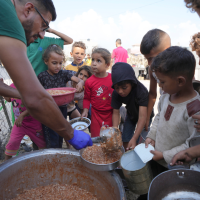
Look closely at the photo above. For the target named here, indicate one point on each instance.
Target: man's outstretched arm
(37, 101)
(8, 91)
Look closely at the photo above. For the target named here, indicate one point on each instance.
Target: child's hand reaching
(79, 87)
(132, 144)
(85, 113)
(157, 155)
(19, 120)
(149, 141)
(80, 83)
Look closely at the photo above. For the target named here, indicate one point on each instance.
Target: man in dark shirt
(128, 90)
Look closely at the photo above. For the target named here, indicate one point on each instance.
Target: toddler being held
(24, 125)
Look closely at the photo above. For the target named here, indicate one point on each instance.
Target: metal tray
(100, 167)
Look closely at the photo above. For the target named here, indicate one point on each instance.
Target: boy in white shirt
(173, 126)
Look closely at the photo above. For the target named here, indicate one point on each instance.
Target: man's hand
(181, 157)
(157, 155)
(85, 113)
(80, 140)
(19, 120)
(149, 141)
(132, 144)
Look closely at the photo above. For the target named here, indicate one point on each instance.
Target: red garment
(98, 92)
(120, 54)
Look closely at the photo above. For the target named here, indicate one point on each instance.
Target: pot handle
(178, 167)
(96, 139)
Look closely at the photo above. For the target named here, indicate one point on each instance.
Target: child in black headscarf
(128, 90)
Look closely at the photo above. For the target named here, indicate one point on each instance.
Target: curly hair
(78, 44)
(193, 5)
(195, 42)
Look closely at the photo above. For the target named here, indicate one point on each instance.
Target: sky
(106, 20)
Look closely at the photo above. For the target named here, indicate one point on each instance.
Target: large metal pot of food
(175, 184)
(56, 166)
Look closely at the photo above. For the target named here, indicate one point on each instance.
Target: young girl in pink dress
(24, 125)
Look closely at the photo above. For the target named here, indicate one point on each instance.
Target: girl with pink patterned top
(24, 125)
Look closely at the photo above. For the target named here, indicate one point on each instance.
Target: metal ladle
(110, 138)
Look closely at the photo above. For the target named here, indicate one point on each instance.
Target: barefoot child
(24, 125)
(98, 92)
(54, 77)
(83, 73)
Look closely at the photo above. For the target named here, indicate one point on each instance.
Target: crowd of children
(104, 93)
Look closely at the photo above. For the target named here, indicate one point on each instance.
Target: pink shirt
(120, 54)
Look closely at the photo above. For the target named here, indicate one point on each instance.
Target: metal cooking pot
(138, 175)
(175, 184)
(51, 166)
(100, 167)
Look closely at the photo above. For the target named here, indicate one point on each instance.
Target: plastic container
(63, 99)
